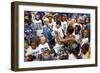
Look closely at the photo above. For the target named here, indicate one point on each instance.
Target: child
(43, 44)
(62, 54)
(51, 22)
(46, 55)
(57, 18)
(72, 22)
(72, 52)
(87, 23)
(77, 34)
(85, 51)
(27, 55)
(26, 46)
(88, 26)
(38, 25)
(44, 49)
(64, 24)
(29, 58)
(57, 32)
(85, 38)
(47, 31)
(33, 50)
(28, 32)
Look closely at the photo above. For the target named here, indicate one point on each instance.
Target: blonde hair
(42, 37)
(45, 19)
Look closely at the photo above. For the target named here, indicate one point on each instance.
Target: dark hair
(26, 21)
(34, 57)
(29, 16)
(85, 48)
(58, 23)
(26, 41)
(30, 58)
(35, 40)
(88, 19)
(73, 51)
(78, 26)
(70, 29)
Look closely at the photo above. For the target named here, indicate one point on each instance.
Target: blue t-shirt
(28, 32)
(88, 27)
(47, 34)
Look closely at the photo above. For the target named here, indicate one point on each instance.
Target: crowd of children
(56, 36)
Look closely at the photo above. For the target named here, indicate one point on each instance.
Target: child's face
(76, 29)
(87, 20)
(46, 53)
(46, 22)
(50, 18)
(37, 17)
(85, 48)
(57, 26)
(85, 33)
(64, 18)
(72, 21)
(26, 45)
(80, 17)
(28, 58)
(55, 18)
(33, 45)
(42, 40)
(59, 18)
(84, 51)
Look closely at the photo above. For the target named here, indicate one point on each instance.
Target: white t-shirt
(59, 32)
(31, 51)
(71, 57)
(64, 25)
(50, 25)
(57, 47)
(36, 52)
(77, 37)
(37, 22)
(54, 25)
(85, 40)
(84, 56)
(38, 25)
(28, 51)
(43, 47)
